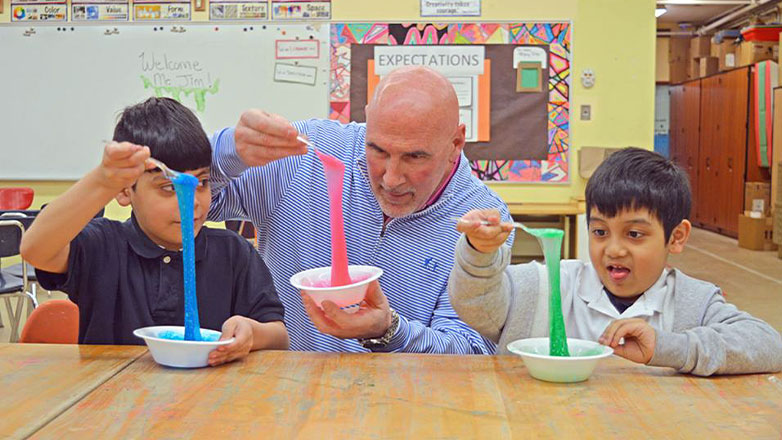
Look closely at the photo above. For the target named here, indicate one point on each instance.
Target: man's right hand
(123, 163)
(263, 137)
(485, 238)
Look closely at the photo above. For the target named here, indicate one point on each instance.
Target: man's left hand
(372, 319)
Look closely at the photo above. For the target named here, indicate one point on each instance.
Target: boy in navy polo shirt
(126, 275)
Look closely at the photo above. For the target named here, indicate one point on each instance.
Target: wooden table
(38, 382)
(317, 395)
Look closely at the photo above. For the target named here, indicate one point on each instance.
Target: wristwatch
(386, 338)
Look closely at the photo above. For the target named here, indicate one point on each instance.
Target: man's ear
(679, 237)
(459, 140)
(123, 197)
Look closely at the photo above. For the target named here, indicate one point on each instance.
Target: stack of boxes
(693, 58)
(751, 52)
(776, 201)
(725, 52)
(760, 227)
(701, 62)
(678, 59)
(756, 224)
(776, 170)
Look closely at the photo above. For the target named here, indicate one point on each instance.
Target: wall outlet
(586, 112)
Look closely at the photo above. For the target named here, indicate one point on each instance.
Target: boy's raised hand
(123, 163)
(484, 238)
(239, 328)
(639, 339)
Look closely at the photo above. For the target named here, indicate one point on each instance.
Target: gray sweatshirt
(706, 336)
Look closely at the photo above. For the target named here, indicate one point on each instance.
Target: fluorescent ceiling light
(659, 11)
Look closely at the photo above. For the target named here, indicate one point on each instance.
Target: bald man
(405, 178)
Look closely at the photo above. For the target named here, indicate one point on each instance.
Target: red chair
(54, 322)
(16, 198)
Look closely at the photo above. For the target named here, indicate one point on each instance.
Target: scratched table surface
(38, 382)
(328, 395)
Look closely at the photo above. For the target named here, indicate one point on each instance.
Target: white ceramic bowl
(342, 296)
(179, 353)
(584, 356)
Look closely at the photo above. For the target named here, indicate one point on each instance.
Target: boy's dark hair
(634, 178)
(170, 130)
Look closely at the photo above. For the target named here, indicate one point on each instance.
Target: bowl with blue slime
(168, 345)
(185, 346)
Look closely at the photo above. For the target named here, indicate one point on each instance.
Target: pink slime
(335, 170)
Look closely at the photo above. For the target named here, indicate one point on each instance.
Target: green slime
(551, 242)
(199, 93)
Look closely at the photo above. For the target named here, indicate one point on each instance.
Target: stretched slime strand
(185, 185)
(335, 170)
(551, 242)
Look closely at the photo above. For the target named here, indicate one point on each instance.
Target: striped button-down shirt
(287, 200)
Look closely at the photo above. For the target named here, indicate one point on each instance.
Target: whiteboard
(63, 89)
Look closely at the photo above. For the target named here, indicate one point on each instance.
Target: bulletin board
(64, 89)
(527, 140)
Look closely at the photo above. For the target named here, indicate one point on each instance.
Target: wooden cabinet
(710, 139)
(723, 147)
(685, 131)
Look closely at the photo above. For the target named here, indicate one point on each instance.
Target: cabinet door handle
(708, 162)
(730, 163)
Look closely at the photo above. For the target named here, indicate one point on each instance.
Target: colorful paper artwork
(556, 35)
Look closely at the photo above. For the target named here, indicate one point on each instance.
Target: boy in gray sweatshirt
(627, 298)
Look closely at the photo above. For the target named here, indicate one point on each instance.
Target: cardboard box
(708, 66)
(714, 48)
(776, 151)
(777, 237)
(776, 185)
(726, 53)
(751, 52)
(693, 68)
(756, 233)
(678, 58)
(677, 71)
(757, 197)
(700, 47)
(590, 157)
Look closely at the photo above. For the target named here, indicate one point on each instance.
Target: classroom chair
(11, 232)
(16, 198)
(16, 269)
(26, 217)
(53, 322)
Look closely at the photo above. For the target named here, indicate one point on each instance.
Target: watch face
(372, 343)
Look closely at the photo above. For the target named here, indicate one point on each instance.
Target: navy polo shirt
(122, 281)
